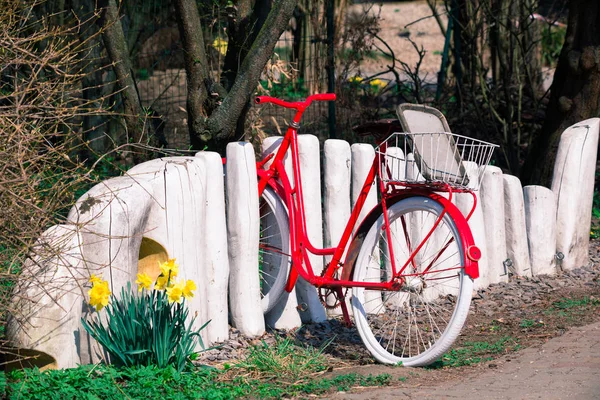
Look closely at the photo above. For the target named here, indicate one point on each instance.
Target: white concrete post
(492, 202)
(412, 169)
(516, 228)
(285, 314)
(177, 220)
(362, 159)
(215, 249)
(310, 174)
(243, 233)
(464, 202)
(337, 190)
(540, 209)
(337, 159)
(573, 185)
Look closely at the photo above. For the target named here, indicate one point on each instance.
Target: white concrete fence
(176, 207)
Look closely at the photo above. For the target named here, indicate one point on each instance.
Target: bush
(41, 112)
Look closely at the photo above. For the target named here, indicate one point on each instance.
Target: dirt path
(566, 367)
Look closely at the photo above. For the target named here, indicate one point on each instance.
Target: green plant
(595, 229)
(286, 88)
(527, 323)
(284, 360)
(553, 38)
(108, 382)
(570, 303)
(495, 326)
(3, 384)
(147, 328)
(345, 382)
(475, 352)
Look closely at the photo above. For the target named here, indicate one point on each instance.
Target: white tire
(417, 324)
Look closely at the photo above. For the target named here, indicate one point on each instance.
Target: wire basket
(434, 157)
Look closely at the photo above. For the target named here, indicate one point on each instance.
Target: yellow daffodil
(161, 283)
(143, 281)
(95, 279)
(169, 268)
(175, 292)
(220, 45)
(377, 83)
(189, 287)
(355, 79)
(99, 294)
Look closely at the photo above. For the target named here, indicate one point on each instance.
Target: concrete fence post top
(492, 169)
(337, 142)
(586, 123)
(511, 178)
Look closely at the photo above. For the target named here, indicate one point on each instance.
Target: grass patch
(268, 372)
(573, 303)
(572, 307)
(107, 382)
(284, 361)
(470, 353)
(530, 323)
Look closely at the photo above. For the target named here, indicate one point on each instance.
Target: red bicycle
(410, 262)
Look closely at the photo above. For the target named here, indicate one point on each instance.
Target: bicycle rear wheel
(418, 323)
(273, 249)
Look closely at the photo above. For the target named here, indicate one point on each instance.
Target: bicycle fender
(472, 252)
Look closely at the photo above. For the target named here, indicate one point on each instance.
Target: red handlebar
(322, 97)
(297, 104)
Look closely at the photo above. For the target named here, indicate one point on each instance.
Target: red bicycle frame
(276, 177)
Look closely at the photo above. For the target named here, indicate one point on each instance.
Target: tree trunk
(575, 90)
(94, 128)
(297, 30)
(222, 122)
(244, 24)
(196, 67)
(214, 126)
(118, 53)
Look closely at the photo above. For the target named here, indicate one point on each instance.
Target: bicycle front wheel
(416, 324)
(273, 248)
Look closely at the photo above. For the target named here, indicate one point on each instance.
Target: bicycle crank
(330, 298)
